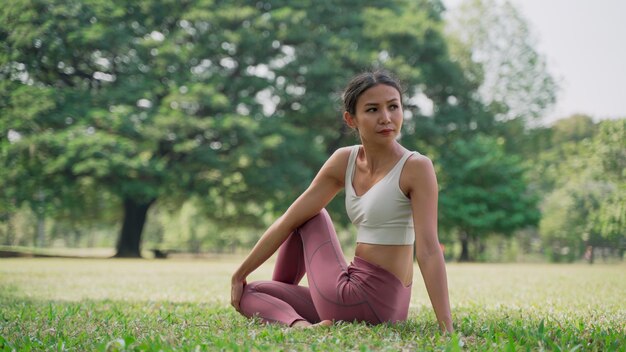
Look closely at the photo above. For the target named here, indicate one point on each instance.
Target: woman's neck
(380, 156)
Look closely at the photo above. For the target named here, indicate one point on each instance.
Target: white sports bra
(383, 214)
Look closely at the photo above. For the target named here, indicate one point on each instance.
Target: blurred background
(156, 128)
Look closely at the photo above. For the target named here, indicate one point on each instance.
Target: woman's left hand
(236, 291)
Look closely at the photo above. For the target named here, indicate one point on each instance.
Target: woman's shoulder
(418, 162)
(418, 168)
(342, 153)
(415, 155)
(335, 166)
(418, 175)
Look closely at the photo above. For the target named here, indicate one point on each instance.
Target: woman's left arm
(423, 191)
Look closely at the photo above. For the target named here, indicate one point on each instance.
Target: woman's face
(378, 115)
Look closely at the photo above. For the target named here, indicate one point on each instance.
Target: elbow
(281, 225)
(424, 255)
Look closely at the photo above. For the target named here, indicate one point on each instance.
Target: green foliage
(585, 182)
(609, 217)
(572, 129)
(496, 47)
(483, 190)
(229, 101)
(609, 146)
(109, 108)
(187, 229)
(568, 224)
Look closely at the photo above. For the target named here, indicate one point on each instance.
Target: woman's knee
(250, 287)
(323, 214)
(247, 298)
(320, 221)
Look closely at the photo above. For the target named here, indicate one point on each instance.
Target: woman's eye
(393, 107)
(371, 110)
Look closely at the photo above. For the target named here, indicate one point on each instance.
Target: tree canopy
(107, 108)
(485, 191)
(231, 101)
(497, 48)
(585, 184)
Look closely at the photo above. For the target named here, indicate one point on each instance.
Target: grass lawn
(177, 304)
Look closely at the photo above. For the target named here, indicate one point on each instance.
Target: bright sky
(584, 42)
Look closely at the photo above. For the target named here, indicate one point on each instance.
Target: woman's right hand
(236, 291)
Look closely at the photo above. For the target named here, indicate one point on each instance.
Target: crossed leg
(314, 249)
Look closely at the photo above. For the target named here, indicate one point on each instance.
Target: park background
(189, 126)
(183, 128)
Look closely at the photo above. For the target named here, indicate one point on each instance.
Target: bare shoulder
(418, 173)
(335, 166)
(418, 164)
(343, 152)
(339, 159)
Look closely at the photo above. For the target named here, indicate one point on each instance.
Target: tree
(128, 95)
(609, 220)
(496, 47)
(566, 225)
(574, 128)
(230, 101)
(484, 191)
(583, 178)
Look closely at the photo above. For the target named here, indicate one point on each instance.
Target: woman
(391, 196)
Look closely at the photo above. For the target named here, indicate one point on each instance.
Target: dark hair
(364, 81)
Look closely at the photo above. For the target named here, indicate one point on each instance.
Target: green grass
(110, 305)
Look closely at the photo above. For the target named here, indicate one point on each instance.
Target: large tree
(485, 192)
(484, 189)
(139, 98)
(583, 177)
(498, 50)
(233, 101)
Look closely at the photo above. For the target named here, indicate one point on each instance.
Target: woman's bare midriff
(397, 259)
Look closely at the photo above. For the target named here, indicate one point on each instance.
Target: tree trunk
(10, 239)
(129, 243)
(464, 237)
(41, 220)
(479, 249)
(589, 254)
(77, 235)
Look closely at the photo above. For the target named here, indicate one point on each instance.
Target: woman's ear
(349, 119)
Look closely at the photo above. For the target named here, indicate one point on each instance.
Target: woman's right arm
(326, 184)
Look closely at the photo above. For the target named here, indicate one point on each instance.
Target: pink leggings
(361, 291)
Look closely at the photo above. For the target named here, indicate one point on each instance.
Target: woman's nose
(385, 116)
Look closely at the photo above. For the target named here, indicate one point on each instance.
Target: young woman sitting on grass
(391, 197)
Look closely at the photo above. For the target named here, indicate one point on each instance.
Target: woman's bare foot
(324, 323)
(306, 324)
